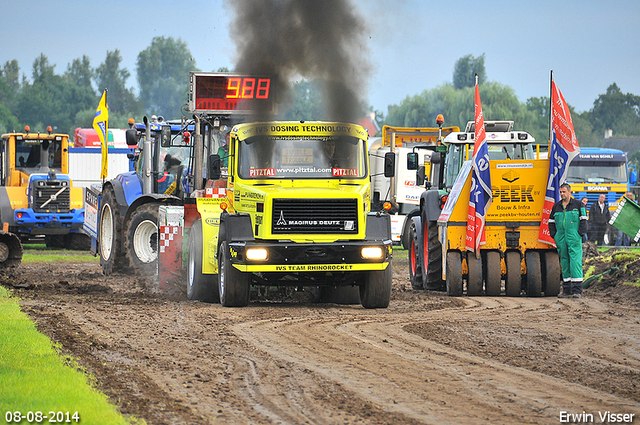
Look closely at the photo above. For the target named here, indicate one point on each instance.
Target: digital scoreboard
(228, 93)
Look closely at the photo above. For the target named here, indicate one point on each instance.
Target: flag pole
(550, 110)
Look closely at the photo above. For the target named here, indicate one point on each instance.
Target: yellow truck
(293, 211)
(37, 197)
(512, 252)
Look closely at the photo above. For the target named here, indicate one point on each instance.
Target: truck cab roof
(497, 132)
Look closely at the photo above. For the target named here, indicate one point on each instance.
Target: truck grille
(42, 196)
(315, 216)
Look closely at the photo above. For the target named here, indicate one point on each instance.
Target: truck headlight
(371, 252)
(257, 254)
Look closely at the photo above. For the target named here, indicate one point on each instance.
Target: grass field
(34, 377)
(39, 253)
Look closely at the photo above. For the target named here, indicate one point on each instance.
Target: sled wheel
(513, 281)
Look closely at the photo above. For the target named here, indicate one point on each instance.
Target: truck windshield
(497, 151)
(28, 153)
(597, 172)
(284, 157)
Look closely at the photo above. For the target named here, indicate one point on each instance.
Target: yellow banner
(310, 267)
(101, 125)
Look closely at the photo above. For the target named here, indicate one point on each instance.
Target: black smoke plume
(320, 40)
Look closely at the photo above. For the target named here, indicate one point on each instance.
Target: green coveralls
(566, 227)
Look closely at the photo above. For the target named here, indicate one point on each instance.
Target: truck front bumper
(32, 222)
(347, 256)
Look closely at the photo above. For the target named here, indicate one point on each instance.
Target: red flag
(480, 195)
(563, 148)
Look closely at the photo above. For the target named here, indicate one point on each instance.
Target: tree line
(612, 110)
(69, 100)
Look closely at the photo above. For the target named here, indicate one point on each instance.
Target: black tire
(552, 277)
(432, 257)
(513, 281)
(54, 241)
(454, 274)
(375, 292)
(110, 234)
(78, 241)
(474, 280)
(415, 271)
(142, 239)
(202, 287)
(493, 274)
(233, 284)
(405, 238)
(534, 273)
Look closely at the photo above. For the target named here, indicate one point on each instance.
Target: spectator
(567, 224)
(584, 201)
(599, 216)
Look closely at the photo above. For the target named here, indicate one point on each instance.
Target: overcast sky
(413, 44)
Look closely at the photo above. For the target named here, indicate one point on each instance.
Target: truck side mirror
(420, 176)
(412, 161)
(389, 164)
(213, 167)
(131, 136)
(165, 136)
(633, 177)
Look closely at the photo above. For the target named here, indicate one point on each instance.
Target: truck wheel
(474, 281)
(375, 292)
(142, 239)
(454, 274)
(432, 257)
(54, 241)
(233, 284)
(552, 275)
(78, 241)
(200, 286)
(415, 272)
(513, 282)
(493, 274)
(534, 274)
(110, 234)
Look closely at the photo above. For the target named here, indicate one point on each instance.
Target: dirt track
(426, 359)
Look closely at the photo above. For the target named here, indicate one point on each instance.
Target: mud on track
(426, 359)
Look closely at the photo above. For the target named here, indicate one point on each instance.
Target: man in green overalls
(567, 224)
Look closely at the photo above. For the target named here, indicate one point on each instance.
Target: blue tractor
(124, 217)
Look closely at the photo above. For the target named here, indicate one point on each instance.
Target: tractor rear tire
(200, 286)
(142, 239)
(375, 291)
(110, 235)
(233, 284)
(432, 257)
(415, 271)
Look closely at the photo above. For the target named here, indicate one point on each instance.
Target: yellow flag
(101, 125)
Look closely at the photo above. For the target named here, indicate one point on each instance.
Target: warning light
(19, 215)
(186, 136)
(440, 119)
(387, 206)
(27, 129)
(223, 206)
(49, 129)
